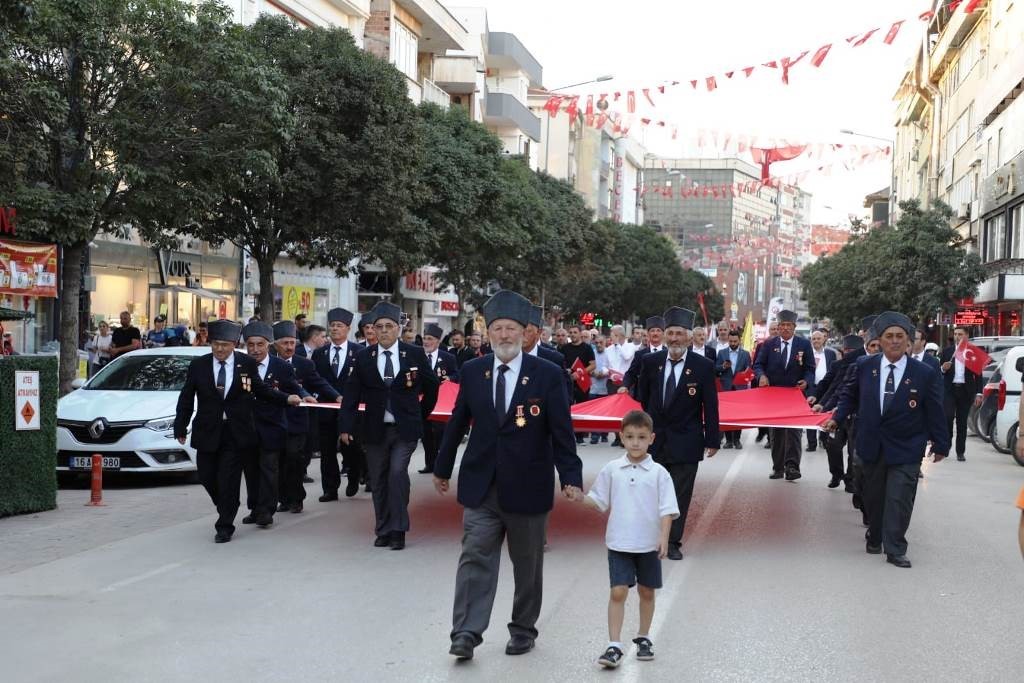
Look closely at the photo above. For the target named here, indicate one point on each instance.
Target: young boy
(641, 503)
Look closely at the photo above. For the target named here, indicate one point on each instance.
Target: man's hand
(763, 382)
(309, 399)
(727, 364)
(294, 400)
(710, 452)
(818, 408)
(573, 493)
(181, 440)
(338, 400)
(811, 400)
(662, 548)
(977, 401)
(622, 390)
(802, 384)
(440, 485)
(829, 425)
(345, 438)
(937, 457)
(946, 366)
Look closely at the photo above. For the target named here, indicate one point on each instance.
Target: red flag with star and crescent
(973, 358)
(579, 374)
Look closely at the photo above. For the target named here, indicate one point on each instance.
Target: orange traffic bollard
(96, 492)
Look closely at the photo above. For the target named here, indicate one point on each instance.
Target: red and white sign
(26, 400)
(28, 269)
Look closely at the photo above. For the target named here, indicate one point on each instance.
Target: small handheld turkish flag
(973, 358)
(580, 376)
(745, 377)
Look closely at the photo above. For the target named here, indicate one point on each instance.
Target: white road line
(141, 577)
(675, 580)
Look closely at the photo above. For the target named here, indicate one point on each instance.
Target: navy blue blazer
(629, 379)
(312, 385)
(272, 419)
(689, 422)
(769, 363)
(447, 367)
(916, 416)
(726, 374)
(556, 357)
(335, 384)
(413, 379)
(518, 457)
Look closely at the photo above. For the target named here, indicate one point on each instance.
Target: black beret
(386, 309)
(679, 317)
(510, 305)
(433, 330)
(339, 315)
(283, 329)
(891, 319)
(224, 330)
(852, 342)
(258, 329)
(787, 316)
(655, 322)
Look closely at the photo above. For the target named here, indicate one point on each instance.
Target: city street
(775, 586)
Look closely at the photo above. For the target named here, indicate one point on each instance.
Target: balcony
(505, 51)
(456, 75)
(952, 36)
(440, 30)
(434, 94)
(505, 111)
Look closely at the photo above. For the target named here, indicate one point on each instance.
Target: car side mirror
(78, 382)
(1020, 364)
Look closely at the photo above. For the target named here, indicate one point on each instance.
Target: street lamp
(547, 125)
(847, 131)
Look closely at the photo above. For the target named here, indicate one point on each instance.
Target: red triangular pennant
(893, 31)
(711, 83)
(820, 55)
(748, 70)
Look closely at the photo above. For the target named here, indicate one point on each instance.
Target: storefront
(28, 294)
(303, 289)
(424, 304)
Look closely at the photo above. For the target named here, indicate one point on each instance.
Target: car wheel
(994, 439)
(1013, 446)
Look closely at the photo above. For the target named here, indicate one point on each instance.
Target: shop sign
(28, 269)
(423, 285)
(970, 317)
(175, 266)
(26, 400)
(296, 300)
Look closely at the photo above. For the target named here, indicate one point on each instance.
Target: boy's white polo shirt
(638, 496)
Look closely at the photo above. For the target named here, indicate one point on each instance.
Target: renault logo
(97, 428)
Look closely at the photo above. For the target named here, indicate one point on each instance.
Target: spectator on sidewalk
(126, 337)
(99, 347)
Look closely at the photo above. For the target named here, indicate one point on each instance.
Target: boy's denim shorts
(629, 569)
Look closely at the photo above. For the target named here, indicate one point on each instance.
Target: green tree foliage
(105, 105)
(919, 267)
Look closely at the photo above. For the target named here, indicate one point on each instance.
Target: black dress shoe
(759, 438)
(352, 487)
(368, 489)
(768, 444)
(328, 497)
(426, 470)
(811, 449)
(462, 646)
(518, 645)
(283, 507)
(264, 521)
(961, 457)
(222, 537)
(848, 486)
(382, 542)
(792, 474)
(249, 519)
(775, 475)
(728, 445)
(398, 540)
(898, 560)
(674, 553)
(306, 479)
(834, 484)
(296, 509)
(873, 549)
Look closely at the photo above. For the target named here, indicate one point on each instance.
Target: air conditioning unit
(965, 212)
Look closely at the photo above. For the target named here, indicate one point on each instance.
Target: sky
(645, 42)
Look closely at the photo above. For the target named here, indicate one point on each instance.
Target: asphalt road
(775, 586)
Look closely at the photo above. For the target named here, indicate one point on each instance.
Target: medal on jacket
(520, 418)
(408, 380)
(246, 383)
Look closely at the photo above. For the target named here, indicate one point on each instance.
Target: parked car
(1004, 433)
(125, 413)
(996, 348)
(982, 420)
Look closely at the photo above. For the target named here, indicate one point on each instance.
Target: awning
(11, 314)
(196, 291)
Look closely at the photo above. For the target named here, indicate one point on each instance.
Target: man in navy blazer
(223, 387)
(533, 346)
(262, 465)
(898, 402)
(655, 326)
(824, 357)
(732, 360)
(785, 361)
(677, 389)
(446, 368)
(334, 361)
(522, 433)
(826, 393)
(399, 388)
(292, 465)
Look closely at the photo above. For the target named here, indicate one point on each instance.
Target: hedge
(28, 459)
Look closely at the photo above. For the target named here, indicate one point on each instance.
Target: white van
(1004, 435)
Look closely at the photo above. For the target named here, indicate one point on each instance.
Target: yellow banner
(296, 300)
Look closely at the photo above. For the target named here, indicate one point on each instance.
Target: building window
(1017, 232)
(404, 49)
(995, 239)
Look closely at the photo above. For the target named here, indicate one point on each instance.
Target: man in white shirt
(824, 357)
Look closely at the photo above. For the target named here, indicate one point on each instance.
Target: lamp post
(847, 131)
(547, 125)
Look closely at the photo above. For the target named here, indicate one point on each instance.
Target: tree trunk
(71, 290)
(266, 301)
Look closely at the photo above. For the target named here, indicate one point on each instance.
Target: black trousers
(786, 448)
(220, 473)
(353, 457)
(432, 433)
(291, 468)
(261, 475)
(958, 406)
(889, 492)
(312, 442)
(683, 476)
(733, 437)
(812, 438)
(834, 444)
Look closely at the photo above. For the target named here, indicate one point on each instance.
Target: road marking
(141, 577)
(667, 596)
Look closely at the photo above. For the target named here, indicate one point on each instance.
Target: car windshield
(143, 373)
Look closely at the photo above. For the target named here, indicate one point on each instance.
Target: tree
(326, 179)
(93, 137)
(919, 267)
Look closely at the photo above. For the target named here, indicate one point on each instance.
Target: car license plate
(84, 462)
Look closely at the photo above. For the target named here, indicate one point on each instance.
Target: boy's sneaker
(644, 648)
(611, 658)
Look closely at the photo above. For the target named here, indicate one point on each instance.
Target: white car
(125, 413)
(1004, 434)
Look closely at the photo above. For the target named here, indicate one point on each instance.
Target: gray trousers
(787, 448)
(889, 493)
(483, 530)
(388, 465)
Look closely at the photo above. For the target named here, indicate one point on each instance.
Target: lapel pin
(487, 374)
(526, 380)
(535, 410)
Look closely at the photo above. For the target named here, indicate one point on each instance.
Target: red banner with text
(28, 269)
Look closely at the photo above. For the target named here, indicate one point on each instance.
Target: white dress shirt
(432, 359)
(638, 495)
(618, 361)
(883, 375)
(342, 351)
(722, 345)
(958, 371)
(381, 360)
(229, 372)
(264, 366)
(533, 351)
(309, 350)
(820, 366)
(511, 377)
(678, 369)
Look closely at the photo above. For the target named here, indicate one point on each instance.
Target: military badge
(689, 371)
(526, 380)
(693, 391)
(913, 403)
(487, 374)
(535, 411)
(520, 419)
